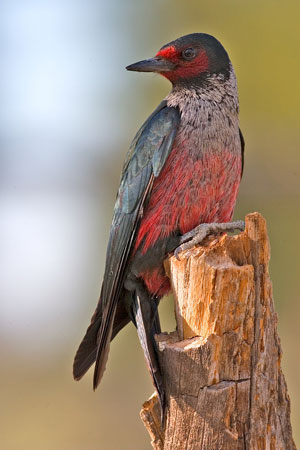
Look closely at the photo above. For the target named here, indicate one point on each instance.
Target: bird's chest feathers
(193, 187)
(196, 186)
(201, 176)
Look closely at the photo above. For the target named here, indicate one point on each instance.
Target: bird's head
(188, 59)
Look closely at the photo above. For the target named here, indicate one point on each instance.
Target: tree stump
(222, 367)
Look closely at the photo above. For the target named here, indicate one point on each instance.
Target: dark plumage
(183, 169)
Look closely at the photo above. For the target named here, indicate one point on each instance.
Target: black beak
(152, 65)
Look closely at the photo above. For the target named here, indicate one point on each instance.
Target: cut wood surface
(222, 367)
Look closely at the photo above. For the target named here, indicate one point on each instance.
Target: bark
(222, 367)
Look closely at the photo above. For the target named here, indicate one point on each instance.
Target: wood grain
(222, 367)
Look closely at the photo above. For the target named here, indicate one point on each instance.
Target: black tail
(147, 324)
(88, 349)
(105, 325)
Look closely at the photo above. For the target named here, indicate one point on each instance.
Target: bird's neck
(217, 94)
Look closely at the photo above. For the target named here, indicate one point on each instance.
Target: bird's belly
(188, 192)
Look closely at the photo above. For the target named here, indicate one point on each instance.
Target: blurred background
(68, 113)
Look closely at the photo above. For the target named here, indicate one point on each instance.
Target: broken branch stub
(222, 373)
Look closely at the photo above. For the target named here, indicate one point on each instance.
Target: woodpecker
(179, 183)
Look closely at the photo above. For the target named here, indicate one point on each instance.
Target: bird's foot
(198, 234)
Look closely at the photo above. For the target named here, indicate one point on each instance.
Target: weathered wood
(222, 373)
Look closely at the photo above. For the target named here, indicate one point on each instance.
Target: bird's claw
(198, 234)
(177, 251)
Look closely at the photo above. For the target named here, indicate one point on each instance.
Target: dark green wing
(146, 157)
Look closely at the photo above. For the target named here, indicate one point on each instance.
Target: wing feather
(146, 157)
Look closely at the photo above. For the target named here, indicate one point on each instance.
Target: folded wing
(146, 157)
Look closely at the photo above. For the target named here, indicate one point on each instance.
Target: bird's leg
(198, 234)
(145, 317)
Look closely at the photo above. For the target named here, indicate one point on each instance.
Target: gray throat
(209, 113)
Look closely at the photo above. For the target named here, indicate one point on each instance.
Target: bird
(179, 183)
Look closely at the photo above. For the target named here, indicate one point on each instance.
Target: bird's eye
(189, 53)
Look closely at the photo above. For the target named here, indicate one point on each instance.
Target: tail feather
(88, 349)
(103, 342)
(146, 336)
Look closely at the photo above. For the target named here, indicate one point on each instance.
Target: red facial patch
(189, 69)
(184, 69)
(168, 53)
